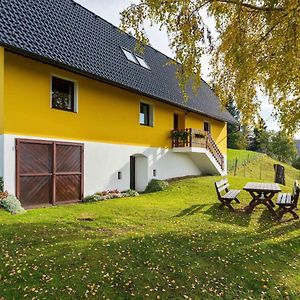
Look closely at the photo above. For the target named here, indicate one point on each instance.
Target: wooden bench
(288, 202)
(225, 195)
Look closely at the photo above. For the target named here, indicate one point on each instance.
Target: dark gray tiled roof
(64, 33)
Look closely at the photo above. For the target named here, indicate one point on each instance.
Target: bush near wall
(10, 203)
(156, 185)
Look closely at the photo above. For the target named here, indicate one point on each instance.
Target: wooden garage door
(48, 172)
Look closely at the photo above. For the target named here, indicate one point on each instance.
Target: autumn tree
(256, 48)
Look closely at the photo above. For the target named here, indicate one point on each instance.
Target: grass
(260, 166)
(174, 244)
(241, 155)
(241, 158)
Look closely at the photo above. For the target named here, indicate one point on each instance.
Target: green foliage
(180, 135)
(296, 163)
(237, 138)
(282, 147)
(156, 185)
(1, 184)
(260, 139)
(256, 49)
(12, 205)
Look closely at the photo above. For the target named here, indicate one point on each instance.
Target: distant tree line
(276, 144)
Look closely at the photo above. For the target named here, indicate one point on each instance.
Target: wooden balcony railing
(190, 137)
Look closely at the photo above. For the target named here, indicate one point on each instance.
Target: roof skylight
(142, 62)
(129, 56)
(135, 59)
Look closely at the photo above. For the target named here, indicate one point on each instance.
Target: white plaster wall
(103, 161)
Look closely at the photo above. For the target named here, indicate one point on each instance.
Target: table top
(262, 187)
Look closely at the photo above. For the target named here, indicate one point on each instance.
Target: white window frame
(151, 113)
(75, 91)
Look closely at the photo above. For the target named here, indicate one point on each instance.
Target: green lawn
(174, 244)
(260, 166)
(241, 155)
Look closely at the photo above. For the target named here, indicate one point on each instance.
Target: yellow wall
(1, 88)
(105, 113)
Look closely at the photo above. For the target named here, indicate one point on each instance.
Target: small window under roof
(129, 56)
(142, 62)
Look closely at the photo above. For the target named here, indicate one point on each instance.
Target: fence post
(235, 166)
(260, 171)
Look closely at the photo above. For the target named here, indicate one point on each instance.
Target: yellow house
(82, 112)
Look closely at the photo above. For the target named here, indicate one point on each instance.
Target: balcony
(191, 140)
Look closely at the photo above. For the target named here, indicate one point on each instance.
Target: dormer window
(135, 59)
(129, 56)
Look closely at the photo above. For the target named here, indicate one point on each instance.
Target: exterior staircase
(201, 148)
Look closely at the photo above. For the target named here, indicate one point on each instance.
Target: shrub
(1, 184)
(156, 185)
(130, 193)
(12, 204)
(92, 198)
(106, 195)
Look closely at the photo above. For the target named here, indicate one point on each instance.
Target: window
(135, 59)
(145, 114)
(207, 127)
(142, 62)
(129, 56)
(154, 172)
(119, 175)
(63, 94)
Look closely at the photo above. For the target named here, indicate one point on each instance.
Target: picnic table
(262, 193)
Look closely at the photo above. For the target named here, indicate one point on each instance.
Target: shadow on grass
(191, 210)
(58, 262)
(238, 217)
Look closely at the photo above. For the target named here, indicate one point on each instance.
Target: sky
(110, 11)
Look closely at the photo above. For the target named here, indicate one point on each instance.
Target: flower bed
(106, 195)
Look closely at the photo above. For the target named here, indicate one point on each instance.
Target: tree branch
(250, 6)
